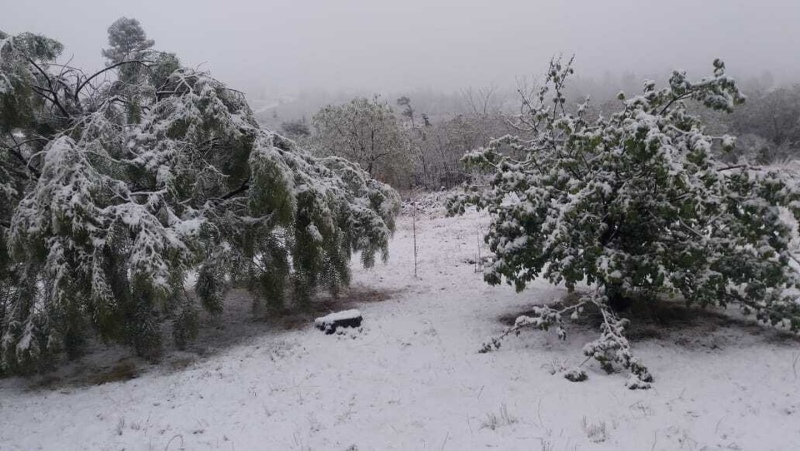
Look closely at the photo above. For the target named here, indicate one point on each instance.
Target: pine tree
(109, 211)
(127, 41)
(636, 206)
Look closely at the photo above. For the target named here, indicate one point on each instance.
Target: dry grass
(556, 365)
(123, 370)
(46, 382)
(494, 421)
(181, 363)
(596, 432)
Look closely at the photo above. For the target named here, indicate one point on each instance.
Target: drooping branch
(102, 71)
(14, 151)
(733, 167)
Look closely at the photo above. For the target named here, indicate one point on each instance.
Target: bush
(636, 206)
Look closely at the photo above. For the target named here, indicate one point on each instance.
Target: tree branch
(46, 76)
(245, 186)
(113, 66)
(730, 168)
(18, 155)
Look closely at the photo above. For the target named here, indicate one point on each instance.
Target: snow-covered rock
(329, 323)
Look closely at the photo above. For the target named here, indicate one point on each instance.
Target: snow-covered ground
(412, 379)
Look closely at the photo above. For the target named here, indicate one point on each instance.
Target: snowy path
(413, 380)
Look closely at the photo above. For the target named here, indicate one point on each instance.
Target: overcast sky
(285, 45)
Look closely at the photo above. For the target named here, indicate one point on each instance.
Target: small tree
(367, 132)
(408, 110)
(636, 206)
(127, 41)
(141, 71)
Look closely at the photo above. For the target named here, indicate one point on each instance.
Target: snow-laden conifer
(110, 211)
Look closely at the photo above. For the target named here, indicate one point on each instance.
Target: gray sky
(284, 45)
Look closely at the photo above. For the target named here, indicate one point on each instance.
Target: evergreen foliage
(636, 206)
(113, 193)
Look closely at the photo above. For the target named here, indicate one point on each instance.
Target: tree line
(412, 148)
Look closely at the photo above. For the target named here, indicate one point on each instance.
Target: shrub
(636, 206)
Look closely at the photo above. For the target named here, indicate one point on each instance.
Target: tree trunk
(617, 299)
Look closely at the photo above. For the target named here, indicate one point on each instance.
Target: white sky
(442, 44)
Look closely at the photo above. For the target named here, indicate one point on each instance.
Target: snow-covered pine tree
(110, 211)
(127, 40)
(21, 108)
(635, 205)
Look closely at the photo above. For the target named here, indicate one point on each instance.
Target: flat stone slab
(329, 323)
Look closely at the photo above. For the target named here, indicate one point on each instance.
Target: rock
(347, 318)
(576, 375)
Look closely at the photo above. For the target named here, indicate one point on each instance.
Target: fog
(290, 45)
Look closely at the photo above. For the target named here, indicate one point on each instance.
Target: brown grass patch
(123, 370)
(181, 363)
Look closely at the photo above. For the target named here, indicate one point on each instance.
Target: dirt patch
(508, 319)
(124, 370)
(349, 298)
(674, 322)
(181, 363)
(45, 382)
(235, 326)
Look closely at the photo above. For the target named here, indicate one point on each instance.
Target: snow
(413, 379)
(338, 316)
(5, 83)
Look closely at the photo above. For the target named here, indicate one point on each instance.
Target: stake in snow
(116, 184)
(636, 206)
